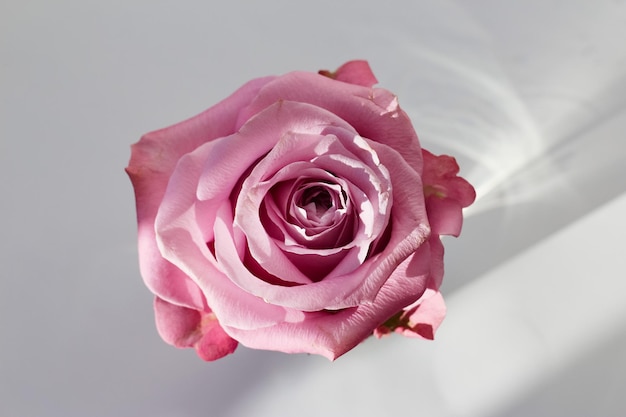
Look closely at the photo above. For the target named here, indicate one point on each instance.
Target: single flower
(299, 215)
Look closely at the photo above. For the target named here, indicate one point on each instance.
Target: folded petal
(373, 112)
(184, 327)
(446, 193)
(333, 333)
(152, 162)
(354, 72)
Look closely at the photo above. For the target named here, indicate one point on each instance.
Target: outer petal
(445, 215)
(185, 327)
(446, 193)
(152, 162)
(331, 334)
(354, 72)
(181, 242)
(422, 318)
(373, 112)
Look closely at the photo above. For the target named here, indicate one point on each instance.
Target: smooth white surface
(522, 340)
(531, 98)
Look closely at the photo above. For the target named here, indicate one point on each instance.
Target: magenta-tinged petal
(436, 262)
(445, 216)
(424, 319)
(177, 325)
(184, 327)
(215, 342)
(446, 193)
(354, 72)
(441, 179)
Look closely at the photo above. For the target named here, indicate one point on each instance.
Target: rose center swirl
(316, 205)
(317, 199)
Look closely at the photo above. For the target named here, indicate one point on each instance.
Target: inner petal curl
(313, 211)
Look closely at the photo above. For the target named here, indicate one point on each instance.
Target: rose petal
(177, 325)
(184, 327)
(436, 262)
(254, 195)
(446, 193)
(424, 319)
(297, 231)
(354, 72)
(331, 334)
(210, 173)
(335, 153)
(445, 216)
(347, 285)
(180, 241)
(441, 176)
(152, 161)
(373, 112)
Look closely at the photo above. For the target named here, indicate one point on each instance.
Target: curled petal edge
(185, 327)
(356, 72)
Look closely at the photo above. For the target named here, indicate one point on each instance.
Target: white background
(531, 98)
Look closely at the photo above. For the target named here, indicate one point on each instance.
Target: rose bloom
(298, 215)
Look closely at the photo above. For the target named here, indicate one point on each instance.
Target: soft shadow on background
(530, 97)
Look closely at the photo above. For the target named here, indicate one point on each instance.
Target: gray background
(531, 98)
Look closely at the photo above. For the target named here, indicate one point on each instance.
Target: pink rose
(298, 215)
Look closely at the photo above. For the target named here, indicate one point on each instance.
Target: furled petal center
(317, 204)
(317, 199)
